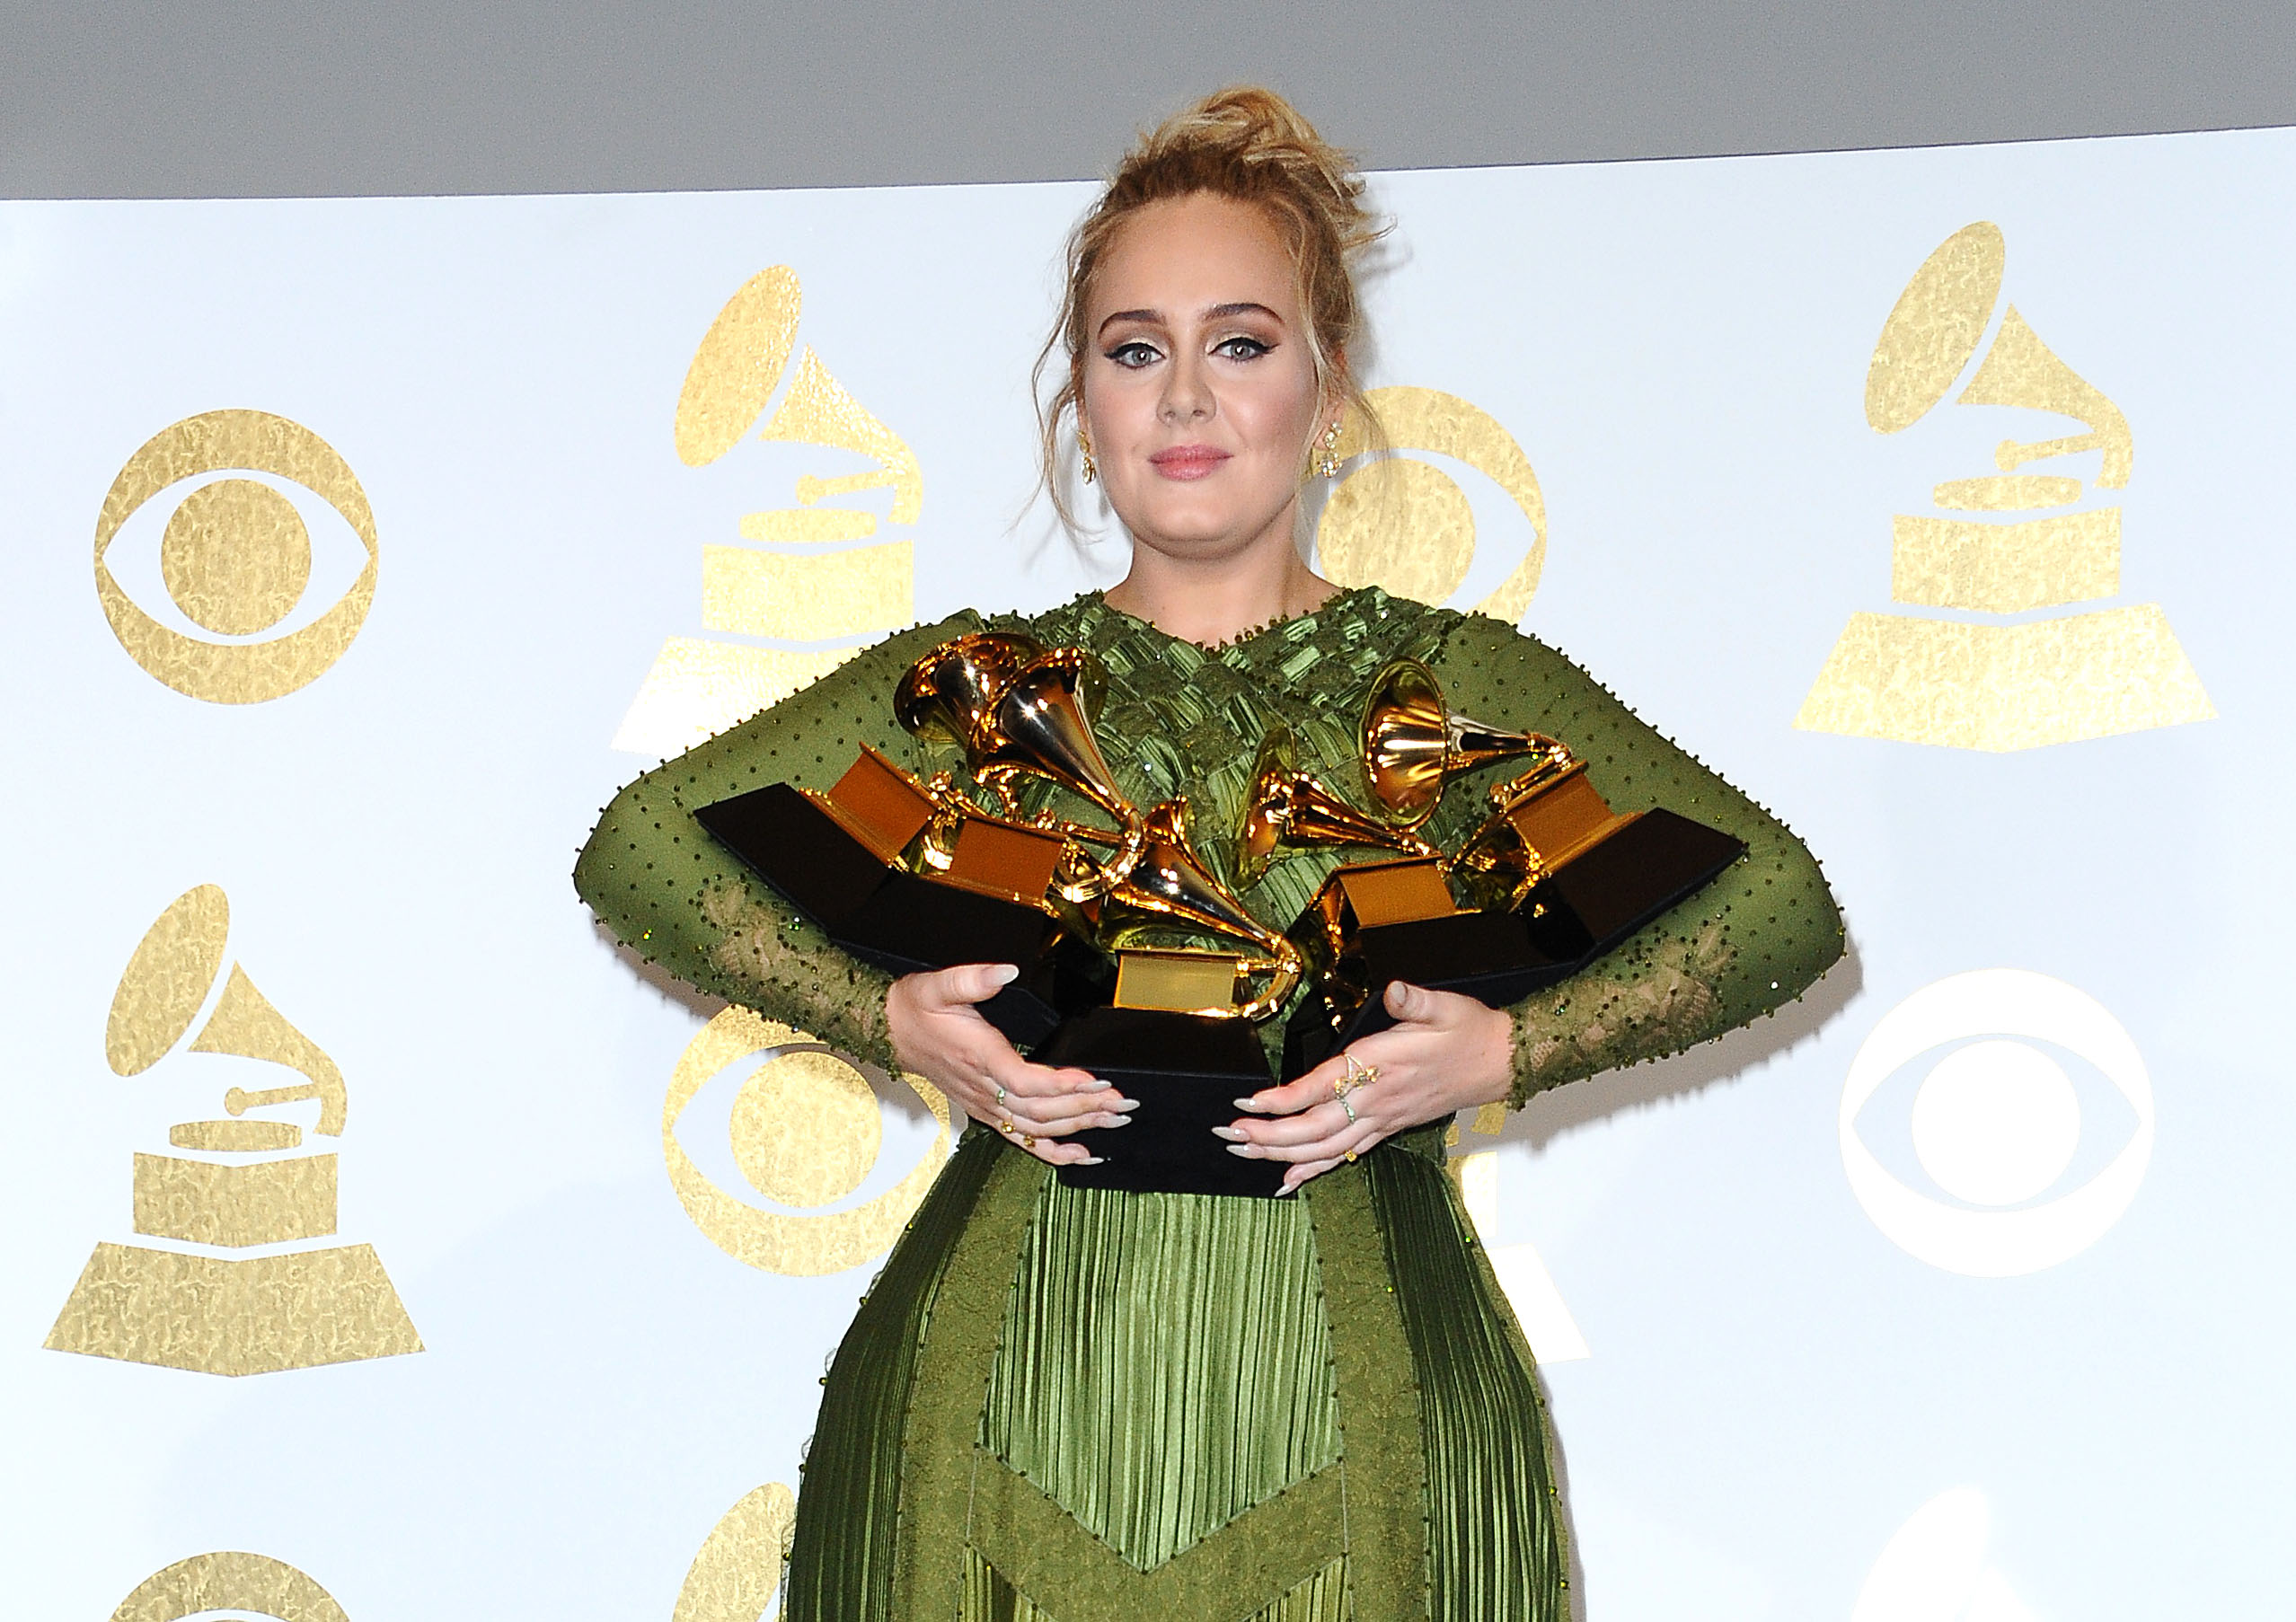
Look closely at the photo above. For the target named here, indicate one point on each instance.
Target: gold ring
(1005, 1127)
(1028, 1143)
(1360, 1074)
(1349, 1157)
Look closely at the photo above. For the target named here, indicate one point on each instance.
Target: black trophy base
(1591, 905)
(1187, 1072)
(1492, 956)
(901, 923)
(1655, 862)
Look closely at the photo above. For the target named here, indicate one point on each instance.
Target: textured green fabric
(1199, 1381)
(1086, 1405)
(1491, 1499)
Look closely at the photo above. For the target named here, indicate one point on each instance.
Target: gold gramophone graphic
(805, 575)
(2016, 542)
(238, 1183)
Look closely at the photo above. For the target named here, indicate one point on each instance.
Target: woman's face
(1199, 391)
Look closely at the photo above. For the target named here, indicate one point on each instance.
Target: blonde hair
(1249, 144)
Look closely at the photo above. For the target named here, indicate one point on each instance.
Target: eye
(1242, 347)
(1134, 355)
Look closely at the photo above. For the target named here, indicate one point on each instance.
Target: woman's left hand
(1443, 1052)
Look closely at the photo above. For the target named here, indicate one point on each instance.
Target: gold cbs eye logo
(233, 1583)
(235, 557)
(806, 1128)
(738, 1568)
(1405, 524)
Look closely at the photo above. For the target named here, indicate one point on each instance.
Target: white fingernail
(1231, 1133)
(1003, 974)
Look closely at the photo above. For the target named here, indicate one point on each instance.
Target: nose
(1187, 391)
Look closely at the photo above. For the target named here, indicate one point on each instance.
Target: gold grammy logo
(229, 1580)
(804, 1129)
(806, 574)
(739, 1565)
(239, 1185)
(1979, 684)
(1404, 523)
(235, 557)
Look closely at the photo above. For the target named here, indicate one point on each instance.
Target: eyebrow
(1216, 313)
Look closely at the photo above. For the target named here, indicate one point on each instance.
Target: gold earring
(1327, 462)
(1085, 445)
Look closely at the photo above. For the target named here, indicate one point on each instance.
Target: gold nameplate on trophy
(1177, 982)
(1393, 892)
(1539, 824)
(1560, 819)
(998, 859)
(878, 804)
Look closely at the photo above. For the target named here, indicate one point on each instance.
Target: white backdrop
(1833, 1330)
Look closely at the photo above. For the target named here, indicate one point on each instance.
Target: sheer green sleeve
(1754, 938)
(680, 899)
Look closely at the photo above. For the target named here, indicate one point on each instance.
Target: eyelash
(1139, 353)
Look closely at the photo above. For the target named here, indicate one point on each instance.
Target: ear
(1335, 403)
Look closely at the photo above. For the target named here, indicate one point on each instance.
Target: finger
(1017, 1075)
(1328, 1135)
(1417, 1005)
(1302, 1173)
(1326, 1119)
(1047, 1143)
(1069, 1114)
(1056, 1115)
(1291, 1097)
(965, 984)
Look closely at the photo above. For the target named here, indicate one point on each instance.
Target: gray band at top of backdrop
(283, 98)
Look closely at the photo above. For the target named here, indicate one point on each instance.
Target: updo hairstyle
(1252, 146)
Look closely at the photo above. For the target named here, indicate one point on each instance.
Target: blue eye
(1134, 354)
(1241, 348)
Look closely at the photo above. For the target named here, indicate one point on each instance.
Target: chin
(1198, 529)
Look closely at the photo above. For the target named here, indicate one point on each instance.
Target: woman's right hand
(938, 1033)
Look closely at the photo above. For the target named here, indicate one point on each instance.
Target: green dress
(1078, 1405)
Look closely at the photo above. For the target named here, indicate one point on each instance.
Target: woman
(1081, 1403)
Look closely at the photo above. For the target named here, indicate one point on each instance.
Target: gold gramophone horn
(951, 692)
(1020, 709)
(1413, 744)
(1286, 805)
(1170, 889)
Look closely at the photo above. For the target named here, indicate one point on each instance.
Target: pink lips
(1187, 460)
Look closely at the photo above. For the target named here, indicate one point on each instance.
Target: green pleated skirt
(1071, 1406)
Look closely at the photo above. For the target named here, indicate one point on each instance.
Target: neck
(1217, 600)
